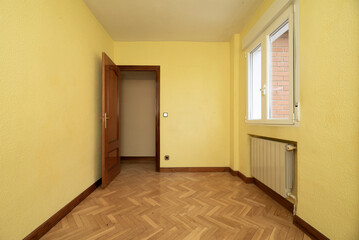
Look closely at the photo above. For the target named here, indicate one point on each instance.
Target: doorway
(140, 109)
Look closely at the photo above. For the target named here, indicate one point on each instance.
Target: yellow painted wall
(328, 136)
(234, 101)
(195, 93)
(50, 128)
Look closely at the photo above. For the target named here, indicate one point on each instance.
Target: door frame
(157, 70)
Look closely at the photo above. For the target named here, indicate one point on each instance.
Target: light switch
(165, 114)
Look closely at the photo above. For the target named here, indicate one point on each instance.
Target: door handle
(105, 118)
(263, 90)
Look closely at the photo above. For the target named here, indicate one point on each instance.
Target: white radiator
(273, 164)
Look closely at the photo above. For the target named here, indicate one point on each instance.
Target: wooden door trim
(157, 70)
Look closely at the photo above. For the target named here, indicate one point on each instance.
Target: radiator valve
(290, 147)
(290, 195)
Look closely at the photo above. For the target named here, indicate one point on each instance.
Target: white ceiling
(172, 20)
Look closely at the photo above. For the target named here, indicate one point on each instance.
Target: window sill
(268, 124)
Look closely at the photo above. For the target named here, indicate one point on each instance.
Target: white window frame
(253, 46)
(250, 76)
(263, 39)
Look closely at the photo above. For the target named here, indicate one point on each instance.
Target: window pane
(278, 97)
(255, 102)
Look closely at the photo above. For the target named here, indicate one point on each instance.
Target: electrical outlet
(167, 157)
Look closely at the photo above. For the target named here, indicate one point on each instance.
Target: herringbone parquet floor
(143, 204)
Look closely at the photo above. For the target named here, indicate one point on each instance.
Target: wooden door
(110, 120)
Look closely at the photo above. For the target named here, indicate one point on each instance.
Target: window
(255, 84)
(278, 69)
(270, 57)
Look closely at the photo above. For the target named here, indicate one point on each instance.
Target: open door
(110, 120)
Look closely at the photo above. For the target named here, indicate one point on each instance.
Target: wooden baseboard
(138, 158)
(195, 169)
(308, 229)
(300, 223)
(244, 178)
(278, 198)
(52, 221)
(232, 172)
